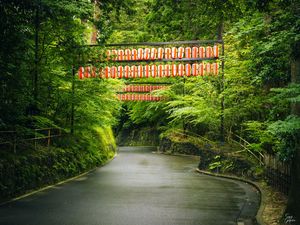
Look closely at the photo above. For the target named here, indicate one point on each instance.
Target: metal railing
(11, 140)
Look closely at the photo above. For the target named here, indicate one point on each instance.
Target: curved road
(138, 188)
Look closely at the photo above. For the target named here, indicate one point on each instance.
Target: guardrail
(10, 140)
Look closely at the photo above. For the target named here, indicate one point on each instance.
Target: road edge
(30, 193)
(262, 204)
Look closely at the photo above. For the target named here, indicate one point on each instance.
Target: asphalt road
(138, 188)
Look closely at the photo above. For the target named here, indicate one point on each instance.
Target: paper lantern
(174, 53)
(107, 72)
(127, 54)
(188, 52)
(81, 72)
(168, 53)
(180, 52)
(195, 52)
(147, 54)
(201, 52)
(134, 54)
(208, 68)
(93, 74)
(201, 69)
(216, 51)
(167, 69)
(140, 71)
(180, 70)
(127, 72)
(101, 73)
(160, 71)
(133, 71)
(195, 68)
(113, 72)
(153, 71)
(188, 69)
(174, 70)
(140, 54)
(120, 72)
(215, 67)
(209, 52)
(153, 53)
(147, 71)
(87, 72)
(121, 55)
(160, 53)
(108, 54)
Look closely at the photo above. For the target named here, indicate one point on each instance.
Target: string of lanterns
(163, 53)
(146, 71)
(138, 97)
(142, 88)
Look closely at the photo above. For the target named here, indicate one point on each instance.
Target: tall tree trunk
(293, 206)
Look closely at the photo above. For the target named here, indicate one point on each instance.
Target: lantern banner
(163, 53)
(143, 88)
(139, 97)
(140, 71)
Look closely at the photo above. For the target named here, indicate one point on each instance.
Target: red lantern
(160, 70)
(127, 72)
(134, 53)
(215, 67)
(147, 71)
(188, 52)
(160, 54)
(174, 52)
(201, 52)
(133, 71)
(81, 72)
(153, 54)
(140, 54)
(188, 69)
(140, 71)
(167, 70)
(120, 72)
(208, 68)
(147, 54)
(216, 51)
(195, 67)
(120, 55)
(168, 53)
(153, 70)
(101, 73)
(195, 52)
(107, 72)
(127, 54)
(180, 70)
(201, 69)
(209, 52)
(113, 72)
(93, 72)
(180, 52)
(174, 70)
(87, 72)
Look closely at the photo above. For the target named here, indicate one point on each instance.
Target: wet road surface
(138, 188)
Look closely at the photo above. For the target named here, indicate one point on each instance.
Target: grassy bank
(68, 157)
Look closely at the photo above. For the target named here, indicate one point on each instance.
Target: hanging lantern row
(163, 53)
(139, 97)
(143, 88)
(150, 71)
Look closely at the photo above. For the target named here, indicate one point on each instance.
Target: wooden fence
(19, 140)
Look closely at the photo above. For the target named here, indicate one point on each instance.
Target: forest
(44, 42)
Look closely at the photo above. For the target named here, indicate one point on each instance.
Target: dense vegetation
(261, 90)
